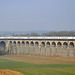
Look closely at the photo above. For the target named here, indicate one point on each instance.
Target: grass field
(22, 64)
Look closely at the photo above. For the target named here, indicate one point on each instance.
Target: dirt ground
(9, 72)
(40, 59)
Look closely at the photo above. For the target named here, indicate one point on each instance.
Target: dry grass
(9, 72)
(40, 59)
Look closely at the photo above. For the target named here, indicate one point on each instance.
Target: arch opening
(18, 42)
(54, 44)
(48, 44)
(14, 42)
(36, 44)
(71, 44)
(32, 43)
(43, 44)
(59, 44)
(10, 42)
(65, 44)
(23, 42)
(27, 43)
(2, 47)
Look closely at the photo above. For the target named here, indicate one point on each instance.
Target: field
(38, 65)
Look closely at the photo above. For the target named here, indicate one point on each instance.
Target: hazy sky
(26, 15)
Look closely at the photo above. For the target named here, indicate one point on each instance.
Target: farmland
(38, 65)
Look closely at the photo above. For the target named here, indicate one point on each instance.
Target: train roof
(62, 37)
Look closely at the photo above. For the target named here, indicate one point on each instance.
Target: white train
(62, 37)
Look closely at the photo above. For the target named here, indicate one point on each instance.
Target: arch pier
(46, 46)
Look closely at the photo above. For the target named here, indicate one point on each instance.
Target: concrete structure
(48, 46)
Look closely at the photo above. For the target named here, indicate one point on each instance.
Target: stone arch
(2, 46)
(59, 49)
(32, 43)
(18, 47)
(65, 44)
(53, 49)
(37, 50)
(59, 44)
(48, 50)
(71, 44)
(14, 42)
(10, 42)
(54, 44)
(27, 48)
(43, 48)
(14, 49)
(32, 47)
(43, 44)
(65, 49)
(18, 42)
(36, 43)
(23, 42)
(22, 48)
(71, 49)
(27, 43)
(48, 44)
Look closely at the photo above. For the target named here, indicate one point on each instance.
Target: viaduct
(47, 46)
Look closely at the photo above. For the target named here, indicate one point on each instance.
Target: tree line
(52, 33)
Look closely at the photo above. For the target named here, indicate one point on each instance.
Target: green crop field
(37, 69)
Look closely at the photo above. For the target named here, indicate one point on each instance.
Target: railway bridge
(47, 46)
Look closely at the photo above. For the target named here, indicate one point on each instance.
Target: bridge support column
(39, 51)
(7, 48)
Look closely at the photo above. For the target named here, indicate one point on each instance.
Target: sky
(27, 15)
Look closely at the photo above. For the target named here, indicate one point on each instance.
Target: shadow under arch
(31, 43)
(23, 42)
(71, 44)
(53, 44)
(65, 44)
(43, 44)
(59, 44)
(2, 47)
(36, 44)
(18, 42)
(59, 49)
(37, 49)
(10, 42)
(48, 44)
(27, 43)
(14, 42)
(71, 49)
